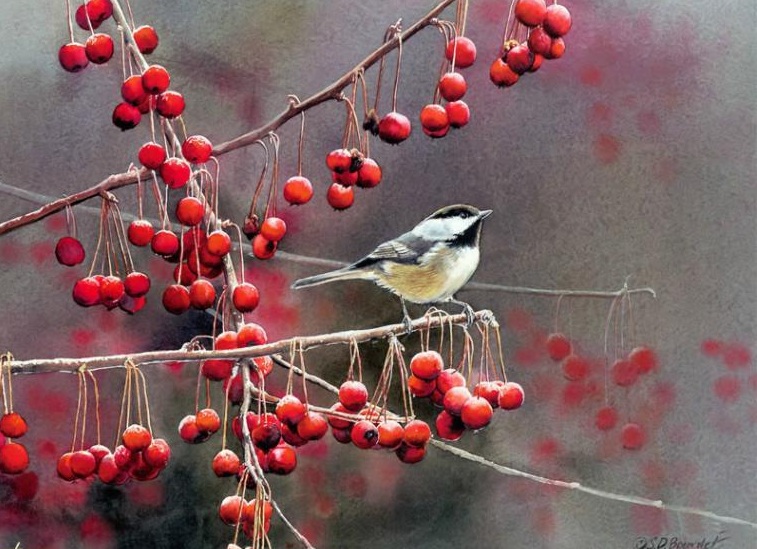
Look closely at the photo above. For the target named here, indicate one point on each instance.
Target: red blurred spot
(663, 394)
(47, 449)
(174, 367)
(607, 148)
(711, 347)
(544, 521)
(633, 436)
(518, 320)
(355, 485)
(325, 506)
(573, 394)
(653, 474)
(736, 355)
(318, 449)
(545, 449)
(526, 356)
(606, 418)
(591, 76)
(10, 252)
(648, 521)
(542, 388)
(56, 223)
(599, 116)
(727, 388)
(648, 122)
(575, 367)
(149, 494)
(83, 337)
(42, 252)
(625, 373)
(95, 529)
(25, 486)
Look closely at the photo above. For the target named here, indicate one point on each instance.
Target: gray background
(632, 155)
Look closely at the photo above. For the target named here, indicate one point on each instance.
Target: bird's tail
(348, 273)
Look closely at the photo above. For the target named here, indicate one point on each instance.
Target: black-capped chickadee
(428, 264)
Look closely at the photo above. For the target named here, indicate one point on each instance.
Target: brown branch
(72, 365)
(330, 92)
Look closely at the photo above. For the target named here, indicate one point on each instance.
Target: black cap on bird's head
(458, 224)
(464, 211)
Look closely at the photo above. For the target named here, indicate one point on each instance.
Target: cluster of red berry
(236, 510)
(349, 168)
(14, 458)
(546, 27)
(447, 388)
(624, 372)
(139, 457)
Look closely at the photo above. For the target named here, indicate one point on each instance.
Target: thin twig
(635, 500)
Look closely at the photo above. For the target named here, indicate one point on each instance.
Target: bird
(425, 265)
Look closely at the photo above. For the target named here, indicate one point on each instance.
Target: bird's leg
(406, 320)
(470, 314)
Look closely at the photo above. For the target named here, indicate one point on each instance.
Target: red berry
(126, 116)
(13, 458)
(344, 178)
(99, 48)
(501, 74)
(99, 451)
(464, 51)
(232, 509)
(340, 197)
(556, 49)
(190, 211)
(226, 463)
(313, 426)
(632, 436)
(455, 399)
(557, 21)
(251, 334)
(488, 390)
(644, 358)
(417, 433)
(189, 432)
(87, 291)
(452, 86)
(394, 128)
(369, 174)
(558, 346)
(434, 118)
(176, 299)
(448, 379)
(146, 39)
(353, 395)
(410, 454)
(390, 434)
(73, 57)
(83, 464)
(155, 79)
(157, 454)
(427, 365)
(438, 133)
(69, 251)
(538, 60)
(197, 149)
(124, 458)
(624, 373)
(575, 368)
(298, 190)
(218, 243)
(282, 460)
(262, 248)
(530, 12)
(208, 421)
(245, 297)
(420, 387)
(13, 425)
(136, 284)
(337, 422)
(539, 41)
(175, 172)
(273, 229)
(606, 418)
(202, 294)
(519, 58)
(364, 434)
(342, 436)
(458, 113)
(449, 427)
(151, 155)
(136, 438)
(111, 288)
(164, 243)
(107, 470)
(132, 91)
(170, 104)
(63, 467)
(476, 413)
(511, 396)
(339, 160)
(93, 12)
(290, 409)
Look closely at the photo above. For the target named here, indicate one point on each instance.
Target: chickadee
(428, 264)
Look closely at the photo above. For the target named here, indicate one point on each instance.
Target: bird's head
(459, 223)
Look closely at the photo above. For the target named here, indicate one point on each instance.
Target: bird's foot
(408, 322)
(470, 314)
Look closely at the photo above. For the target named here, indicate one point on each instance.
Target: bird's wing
(404, 249)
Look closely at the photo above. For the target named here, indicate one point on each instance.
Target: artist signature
(677, 542)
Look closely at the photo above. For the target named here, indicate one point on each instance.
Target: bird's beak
(484, 214)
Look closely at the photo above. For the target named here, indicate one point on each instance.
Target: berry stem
(97, 403)
(70, 22)
(399, 64)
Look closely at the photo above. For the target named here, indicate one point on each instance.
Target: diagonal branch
(330, 92)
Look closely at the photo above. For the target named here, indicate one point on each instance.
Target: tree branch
(332, 91)
(72, 365)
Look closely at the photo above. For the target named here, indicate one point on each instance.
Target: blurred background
(632, 156)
